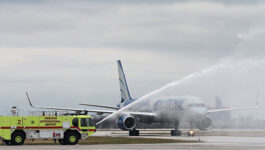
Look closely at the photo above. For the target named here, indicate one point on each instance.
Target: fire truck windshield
(91, 123)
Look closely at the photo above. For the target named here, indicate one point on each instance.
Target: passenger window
(84, 122)
(91, 123)
(75, 122)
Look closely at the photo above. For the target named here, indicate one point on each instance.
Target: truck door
(30, 122)
(84, 124)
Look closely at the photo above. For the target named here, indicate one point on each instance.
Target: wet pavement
(206, 143)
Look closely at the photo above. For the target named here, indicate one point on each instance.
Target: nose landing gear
(176, 132)
(191, 133)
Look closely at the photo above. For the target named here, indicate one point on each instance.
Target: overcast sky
(65, 52)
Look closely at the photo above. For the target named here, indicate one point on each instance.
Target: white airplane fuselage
(170, 109)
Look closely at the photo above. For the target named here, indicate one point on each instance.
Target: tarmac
(205, 142)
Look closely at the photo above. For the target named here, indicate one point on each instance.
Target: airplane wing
(139, 114)
(102, 106)
(135, 114)
(70, 109)
(239, 108)
(123, 111)
(232, 109)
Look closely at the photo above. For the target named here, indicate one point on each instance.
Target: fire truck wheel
(17, 138)
(62, 142)
(71, 138)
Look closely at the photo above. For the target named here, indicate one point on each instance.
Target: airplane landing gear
(134, 133)
(191, 133)
(176, 132)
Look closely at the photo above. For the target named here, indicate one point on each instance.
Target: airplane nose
(199, 112)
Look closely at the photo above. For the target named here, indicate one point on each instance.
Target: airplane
(171, 109)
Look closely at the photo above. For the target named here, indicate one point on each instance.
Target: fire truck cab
(68, 130)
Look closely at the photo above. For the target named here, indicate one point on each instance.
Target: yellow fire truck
(68, 130)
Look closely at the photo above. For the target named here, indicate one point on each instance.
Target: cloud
(67, 76)
(253, 33)
(237, 78)
(65, 52)
(198, 28)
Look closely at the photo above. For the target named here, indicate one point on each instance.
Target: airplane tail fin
(125, 94)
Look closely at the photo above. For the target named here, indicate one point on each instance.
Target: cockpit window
(196, 105)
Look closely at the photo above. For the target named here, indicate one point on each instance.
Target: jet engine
(205, 123)
(126, 122)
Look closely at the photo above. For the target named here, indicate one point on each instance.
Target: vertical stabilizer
(125, 94)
